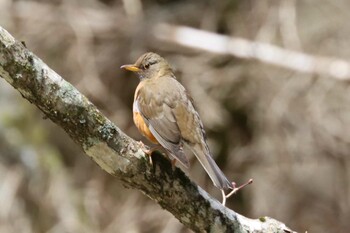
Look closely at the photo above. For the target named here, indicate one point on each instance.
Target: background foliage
(287, 130)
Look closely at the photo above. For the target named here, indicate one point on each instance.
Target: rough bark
(115, 152)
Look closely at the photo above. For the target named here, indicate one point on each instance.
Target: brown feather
(170, 117)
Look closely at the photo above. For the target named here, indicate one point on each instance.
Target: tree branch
(242, 48)
(114, 151)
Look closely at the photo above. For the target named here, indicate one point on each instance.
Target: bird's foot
(173, 162)
(234, 190)
(148, 151)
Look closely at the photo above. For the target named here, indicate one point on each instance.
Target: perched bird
(164, 113)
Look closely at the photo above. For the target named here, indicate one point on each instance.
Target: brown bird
(164, 113)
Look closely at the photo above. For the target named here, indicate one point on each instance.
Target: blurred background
(287, 130)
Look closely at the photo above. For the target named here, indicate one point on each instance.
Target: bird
(164, 113)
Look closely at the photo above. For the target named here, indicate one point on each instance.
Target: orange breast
(142, 127)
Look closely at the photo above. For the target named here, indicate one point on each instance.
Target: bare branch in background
(133, 8)
(242, 48)
(115, 152)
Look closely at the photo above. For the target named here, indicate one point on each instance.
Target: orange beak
(132, 68)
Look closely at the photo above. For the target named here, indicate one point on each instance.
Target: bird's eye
(147, 66)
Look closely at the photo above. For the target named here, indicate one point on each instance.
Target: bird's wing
(173, 121)
(193, 133)
(158, 115)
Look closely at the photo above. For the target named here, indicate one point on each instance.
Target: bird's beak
(132, 68)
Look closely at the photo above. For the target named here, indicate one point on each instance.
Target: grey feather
(217, 176)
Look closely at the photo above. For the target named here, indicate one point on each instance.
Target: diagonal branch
(243, 48)
(114, 151)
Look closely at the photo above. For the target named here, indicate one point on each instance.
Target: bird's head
(149, 65)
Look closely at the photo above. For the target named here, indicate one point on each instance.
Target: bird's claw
(147, 151)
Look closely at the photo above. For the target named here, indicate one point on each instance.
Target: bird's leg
(148, 151)
(173, 162)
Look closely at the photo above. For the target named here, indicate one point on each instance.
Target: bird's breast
(141, 125)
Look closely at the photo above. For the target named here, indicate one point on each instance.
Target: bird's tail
(216, 175)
